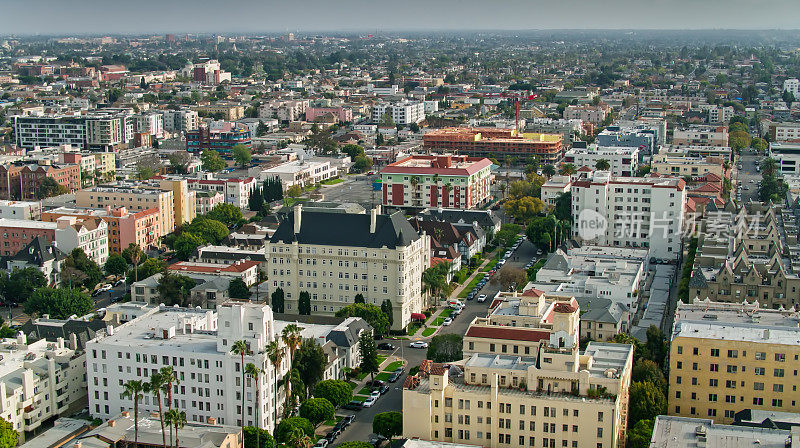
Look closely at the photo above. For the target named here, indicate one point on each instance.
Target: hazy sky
(246, 16)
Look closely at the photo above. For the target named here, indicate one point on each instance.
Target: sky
(79, 17)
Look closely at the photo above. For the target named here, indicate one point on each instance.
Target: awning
(418, 316)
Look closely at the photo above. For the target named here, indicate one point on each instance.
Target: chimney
(126, 414)
(373, 217)
(298, 211)
(112, 423)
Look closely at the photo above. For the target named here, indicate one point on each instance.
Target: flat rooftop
(737, 332)
(27, 224)
(506, 362)
(679, 432)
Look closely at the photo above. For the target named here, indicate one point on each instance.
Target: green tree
(18, 285)
(310, 362)
(317, 410)
(445, 348)
(509, 277)
(294, 191)
(133, 255)
(603, 165)
(150, 267)
(388, 310)
(643, 170)
(277, 300)
(211, 161)
(175, 419)
(58, 303)
(49, 187)
(210, 231)
(567, 169)
(507, 235)
(646, 402)
(549, 170)
(645, 370)
(362, 164)
(242, 155)
(322, 141)
(359, 298)
(369, 354)
(370, 313)
(304, 303)
(640, 434)
(116, 265)
(77, 260)
(237, 289)
(656, 345)
(134, 389)
(337, 392)
(174, 289)
(179, 161)
(388, 424)
(288, 425)
(9, 437)
(563, 208)
(265, 439)
(524, 208)
(227, 214)
(352, 150)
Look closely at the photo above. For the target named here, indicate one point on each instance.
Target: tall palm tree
(275, 354)
(169, 377)
(297, 438)
(291, 337)
(240, 348)
(177, 419)
(254, 372)
(568, 169)
(603, 165)
(414, 181)
(549, 170)
(155, 386)
(136, 255)
(133, 389)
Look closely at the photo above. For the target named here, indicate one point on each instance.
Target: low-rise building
(592, 114)
(494, 142)
(17, 233)
(554, 188)
(236, 191)
(787, 156)
(684, 432)
(221, 139)
(680, 164)
(20, 210)
(40, 255)
(124, 227)
(31, 177)
(299, 172)
(90, 235)
(701, 135)
(458, 182)
(622, 161)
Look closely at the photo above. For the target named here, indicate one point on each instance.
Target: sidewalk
(469, 279)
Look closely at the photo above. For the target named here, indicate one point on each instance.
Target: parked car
(382, 390)
(538, 252)
(348, 419)
(470, 296)
(375, 439)
(370, 401)
(119, 282)
(385, 346)
(354, 405)
(375, 383)
(332, 435)
(321, 443)
(418, 344)
(400, 370)
(447, 321)
(394, 377)
(481, 298)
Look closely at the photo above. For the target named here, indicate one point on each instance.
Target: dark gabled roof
(348, 336)
(485, 218)
(698, 280)
(345, 229)
(52, 330)
(227, 255)
(37, 252)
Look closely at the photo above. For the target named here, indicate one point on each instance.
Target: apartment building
(36, 130)
(335, 256)
(792, 85)
(679, 164)
(787, 155)
(149, 123)
(645, 134)
(182, 120)
(644, 212)
(205, 201)
(623, 161)
(458, 182)
(403, 113)
(495, 142)
(592, 114)
(298, 172)
(748, 256)
(683, 432)
(221, 139)
(284, 110)
(720, 114)
(123, 226)
(207, 72)
(20, 210)
(39, 381)
(781, 131)
(136, 197)
(229, 111)
(701, 135)
(728, 357)
(17, 233)
(554, 188)
(90, 235)
(107, 131)
(235, 191)
(341, 113)
(31, 177)
(245, 270)
(524, 386)
(196, 343)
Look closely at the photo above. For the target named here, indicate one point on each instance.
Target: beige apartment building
(726, 357)
(679, 164)
(336, 256)
(132, 197)
(524, 386)
(229, 111)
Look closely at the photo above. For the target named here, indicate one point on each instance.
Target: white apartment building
(32, 131)
(630, 211)
(284, 110)
(150, 123)
(720, 114)
(298, 172)
(89, 235)
(787, 131)
(555, 187)
(592, 114)
(20, 210)
(787, 155)
(792, 85)
(39, 381)
(335, 256)
(402, 113)
(108, 130)
(623, 161)
(235, 190)
(183, 120)
(699, 135)
(197, 344)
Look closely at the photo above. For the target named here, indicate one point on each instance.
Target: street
(361, 427)
(748, 177)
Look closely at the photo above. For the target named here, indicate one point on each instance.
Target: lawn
(292, 201)
(470, 287)
(490, 265)
(428, 331)
(365, 391)
(363, 375)
(360, 398)
(333, 421)
(383, 376)
(393, 366)
(381, 358)
(446, 312)
(413, 328)
(437, 322)
(332, 181)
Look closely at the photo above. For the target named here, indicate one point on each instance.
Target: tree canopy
(288, 425)
(265, 439)
(388, 424)
(310, 362)
(237, 289)
(225, 213)
(317, 410)
(9, 437)
(646, 402)
(445, 348)
(116, 265)
(338, 392)
(369, 353)
(241, 155)
(19, 284)
(211, 161)
(277, 302)
(370, 313)
(58, 303)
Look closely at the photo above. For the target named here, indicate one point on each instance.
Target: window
(715, 352)
(760, 356)
(733, 353)
(778, 373)
(780, 357)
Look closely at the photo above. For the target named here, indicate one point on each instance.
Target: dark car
(394, 377)
(385, 346)
(354, 405)
(382, 389)
(332, 435)
(375, 439)
(348, 419)
(375, 383)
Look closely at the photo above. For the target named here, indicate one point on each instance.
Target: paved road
(393, 400)
(749, 176)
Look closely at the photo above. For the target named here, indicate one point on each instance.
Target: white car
(447, 321)
(322, 443)
(369, 402)
(105, 287)
(418, 344)
(481, 298)
(375, 394)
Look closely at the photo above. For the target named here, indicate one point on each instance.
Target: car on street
(400, 370)
(538, 252)
(354, 405)
(332, 435)
(481, 298)
(347, 420)
(106, 287)
(470, 296)
(383, 389)
(456, 312)
(375, 383)
(385, 346)
(418, 344)
(375, 439)
(394, 377)
(322, 443)
(370, 401)
(119, 282)
(447, 321)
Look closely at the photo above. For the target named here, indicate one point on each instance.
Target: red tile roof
(187, 266)
(506, 333)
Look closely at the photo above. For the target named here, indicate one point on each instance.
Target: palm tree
(567, 169)
(275, 354)
(136, 255)
(254, 372)
(769, 166)
(602, 165)
(298, 439)
(133, 389)
(169, 377)
(549, 170)
(414, 181)
(240, 348)
(155, 386)
(177, 419)
(291, 337)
